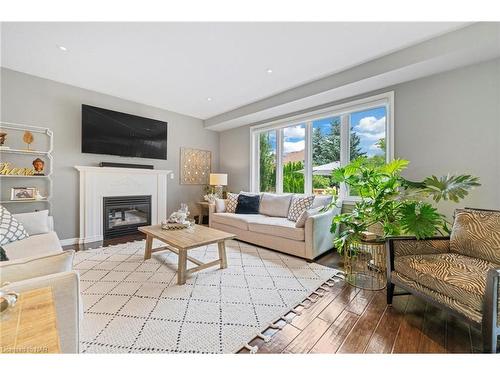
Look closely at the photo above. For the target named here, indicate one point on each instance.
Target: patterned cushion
(231, 202)
(445, 300)
(301, 221)
(414, 247)
(10, 229)
(457, 276)
(476, 233)
(298, 206)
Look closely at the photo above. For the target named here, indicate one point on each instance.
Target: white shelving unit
(24, 152)
(19, 157)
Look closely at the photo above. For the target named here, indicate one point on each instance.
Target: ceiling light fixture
(269, 71)
(209, 99)
(62, 48)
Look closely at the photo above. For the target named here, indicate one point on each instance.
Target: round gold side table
(365, 264)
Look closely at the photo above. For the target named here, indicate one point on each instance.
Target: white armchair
(37, 262)
(42, 239)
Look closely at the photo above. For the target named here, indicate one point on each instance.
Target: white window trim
(384, 99)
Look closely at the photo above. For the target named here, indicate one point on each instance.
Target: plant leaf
(395, 166)
(420, 219)
(450, 187)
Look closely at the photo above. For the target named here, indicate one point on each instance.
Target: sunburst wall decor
(195, 166)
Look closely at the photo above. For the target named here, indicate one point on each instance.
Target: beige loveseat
(277, 232)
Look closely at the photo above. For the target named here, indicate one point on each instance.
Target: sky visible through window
(367, 133)
(369, 126)
(294, 138)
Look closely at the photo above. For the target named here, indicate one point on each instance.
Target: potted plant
(394, 204)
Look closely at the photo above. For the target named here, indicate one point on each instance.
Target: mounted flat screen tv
(116, 133)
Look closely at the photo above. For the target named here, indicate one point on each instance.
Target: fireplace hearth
(123, 215)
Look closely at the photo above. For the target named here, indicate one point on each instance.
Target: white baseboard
(69, 241)
(80, 241)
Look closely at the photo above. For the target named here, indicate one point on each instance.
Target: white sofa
(37, 262)
(277, 232)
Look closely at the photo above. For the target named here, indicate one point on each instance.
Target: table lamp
(218, 180)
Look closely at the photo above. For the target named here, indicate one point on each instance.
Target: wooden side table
(31, 325)
(203, 211)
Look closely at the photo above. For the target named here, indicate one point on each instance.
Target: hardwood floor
(352, 320)
(357, 321)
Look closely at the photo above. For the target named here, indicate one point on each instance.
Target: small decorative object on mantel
(38, 165)
(23, 194)
(178, 219)
(3, 135)
(195, 166)
(28, 138)
(7, 170)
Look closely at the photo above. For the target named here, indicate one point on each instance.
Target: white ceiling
(177, 66)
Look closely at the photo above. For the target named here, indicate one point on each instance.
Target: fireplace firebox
(123, 215)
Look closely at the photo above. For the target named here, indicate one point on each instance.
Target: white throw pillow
(298, 206)
(34, 222)
(220, 205)
(321, 200)
(231, 202)
(10, 229)
(301, 221)
(275, 204)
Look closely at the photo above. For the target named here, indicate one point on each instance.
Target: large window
(293, 158)
(325, 146)
(267, 161)
(299, 155)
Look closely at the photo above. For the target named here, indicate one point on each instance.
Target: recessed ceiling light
(269, 71)
(209, 99)
(62, 48)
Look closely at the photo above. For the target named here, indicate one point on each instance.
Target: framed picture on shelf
(23, 193)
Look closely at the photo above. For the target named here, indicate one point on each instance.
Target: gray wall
(235, 157)
(449, 122)
(35, 101)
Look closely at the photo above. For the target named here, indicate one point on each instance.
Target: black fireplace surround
(123, 215)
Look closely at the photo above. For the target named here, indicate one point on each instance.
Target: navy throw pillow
(3, 255)
(247, 204)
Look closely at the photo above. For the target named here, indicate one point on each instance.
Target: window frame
(340, 110)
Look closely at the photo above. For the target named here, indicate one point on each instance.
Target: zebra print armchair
(459, 273)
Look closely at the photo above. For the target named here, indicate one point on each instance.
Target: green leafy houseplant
(398, 206)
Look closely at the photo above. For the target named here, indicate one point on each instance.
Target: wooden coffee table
(180, 241)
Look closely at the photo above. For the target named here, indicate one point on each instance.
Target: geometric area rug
(136, 306)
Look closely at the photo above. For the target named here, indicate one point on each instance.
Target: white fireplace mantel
(99, 182)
